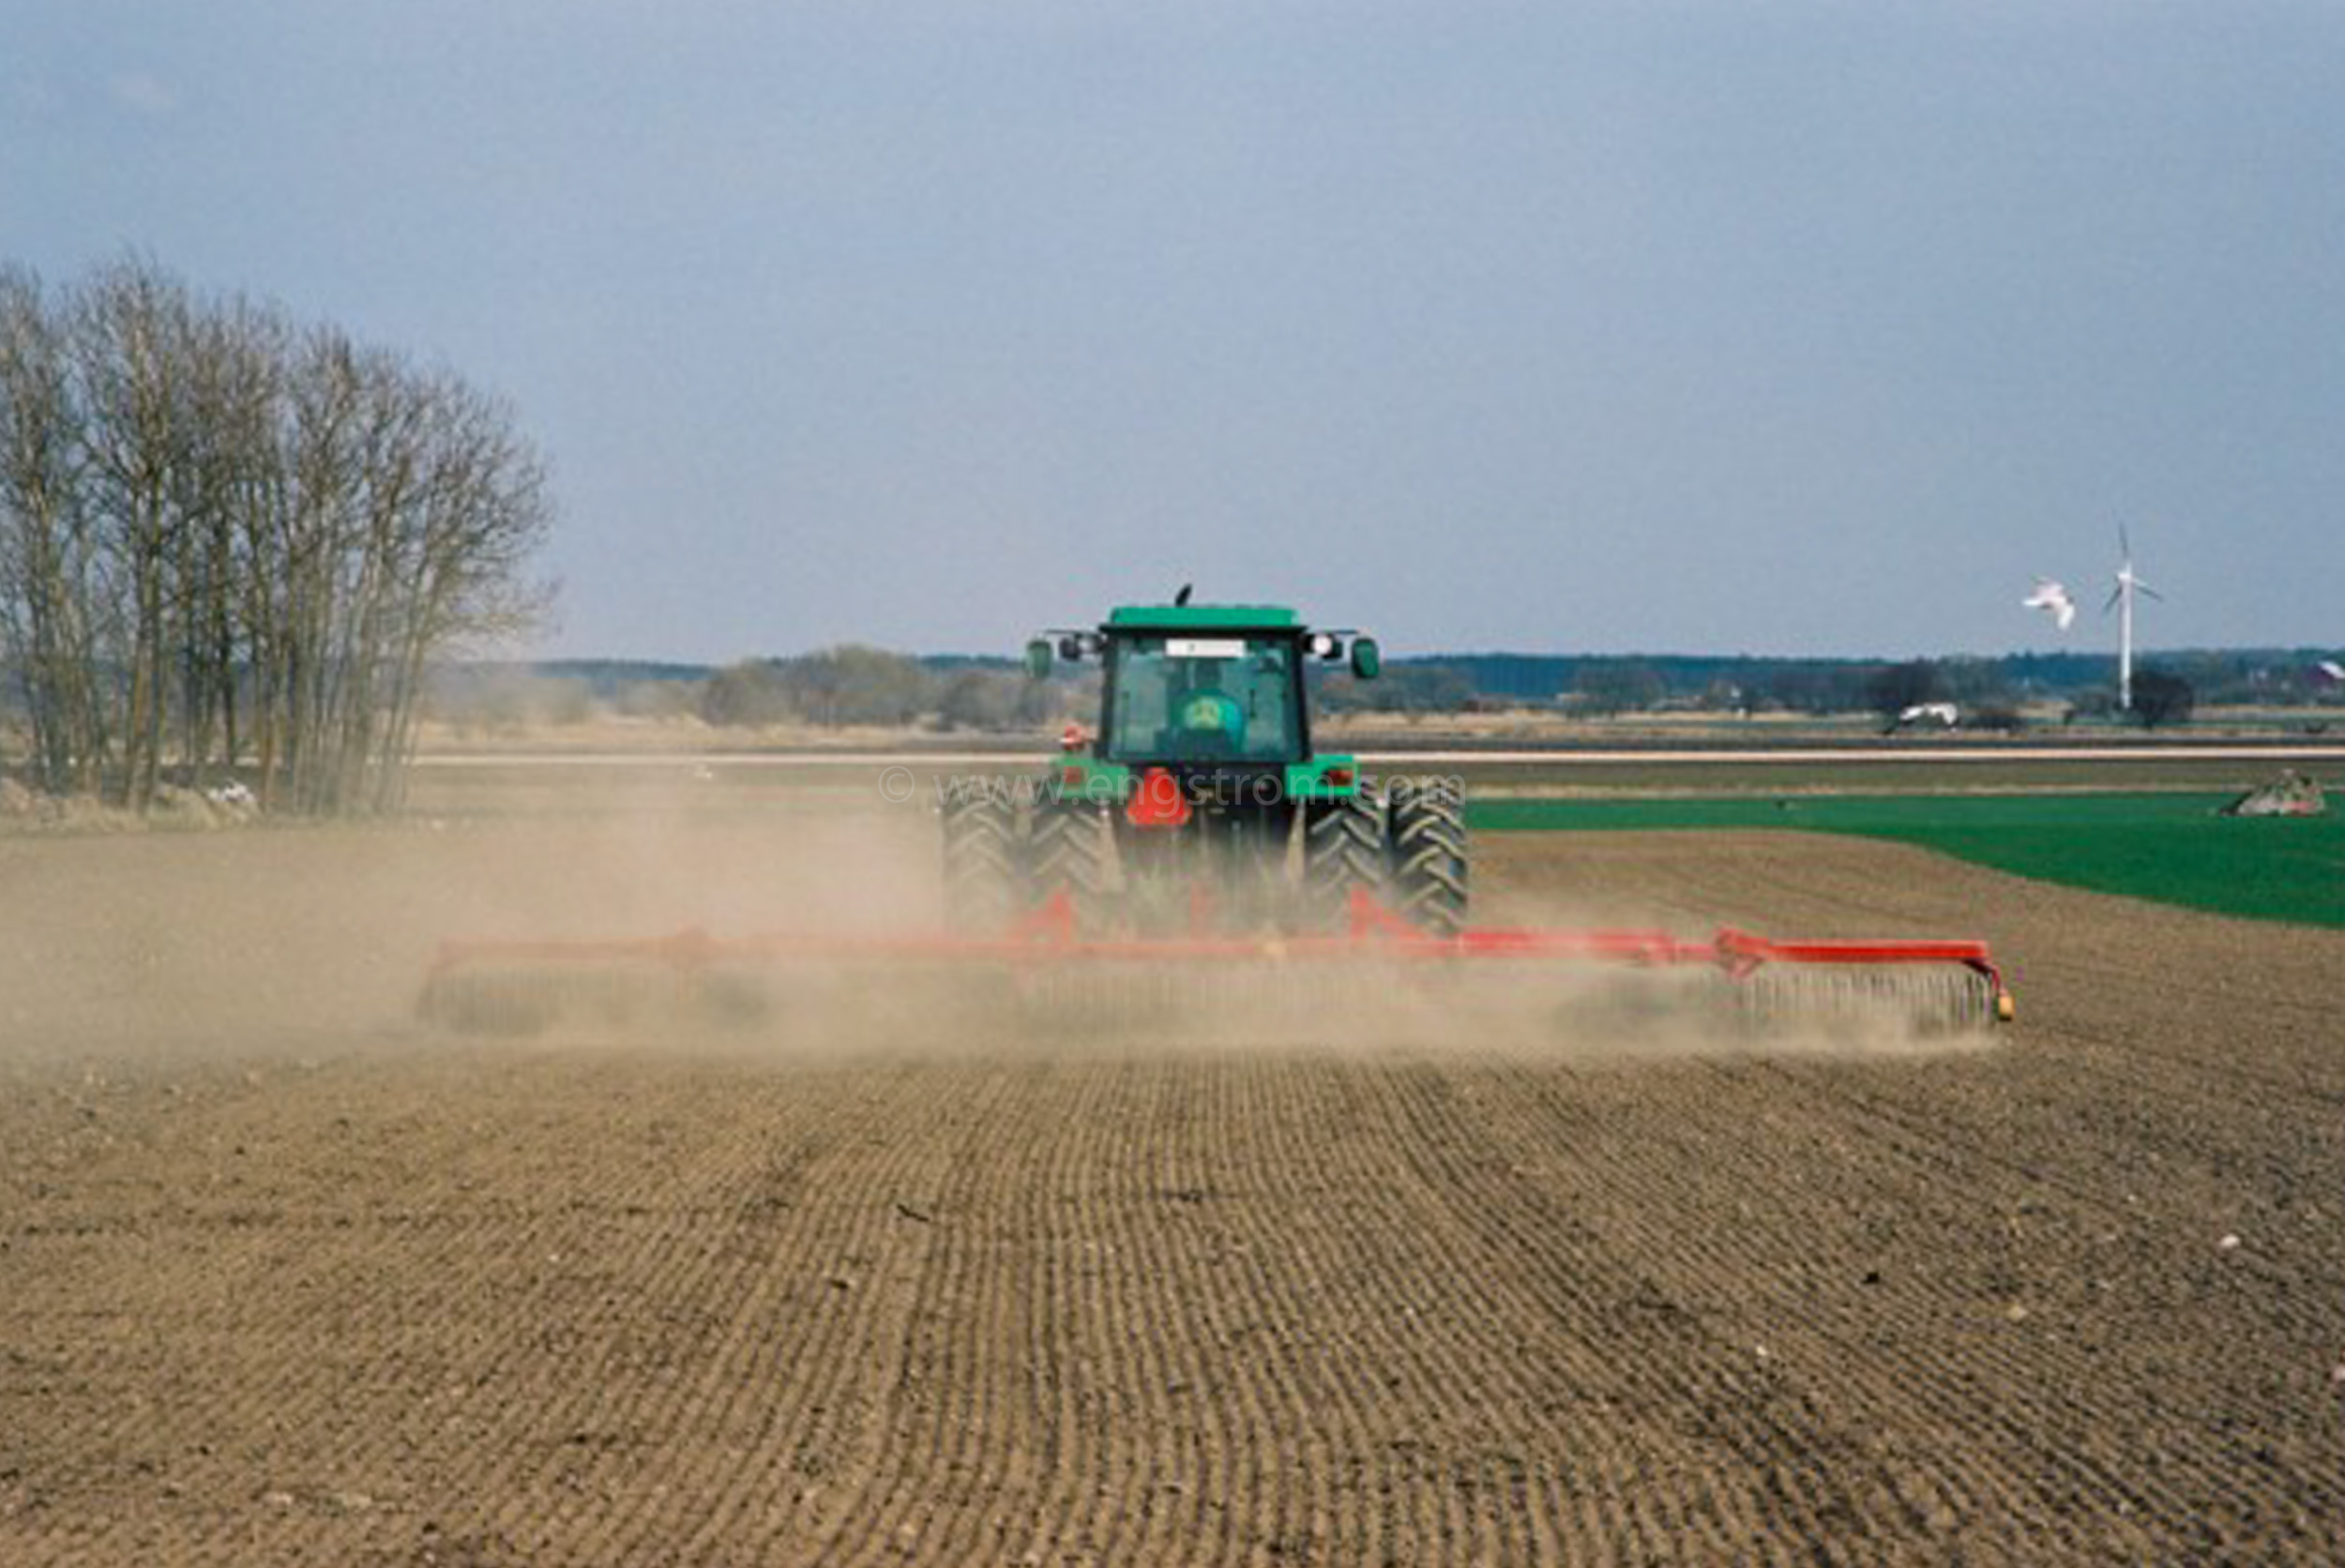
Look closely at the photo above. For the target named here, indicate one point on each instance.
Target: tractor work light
(1326, 645)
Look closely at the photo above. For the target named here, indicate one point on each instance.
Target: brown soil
(285, 1280)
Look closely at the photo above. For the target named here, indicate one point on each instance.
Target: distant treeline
(1615, 683)
(850, 685)
(863, 685)
(233, 544)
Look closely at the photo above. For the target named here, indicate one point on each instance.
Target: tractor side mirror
(1039, 660)
(1367, 660)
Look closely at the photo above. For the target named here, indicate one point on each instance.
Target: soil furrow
(287, 1287)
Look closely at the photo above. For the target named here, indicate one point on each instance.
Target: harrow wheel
(1923, 1000)
(1427, 846)
(522, 1001)
(503, 1004)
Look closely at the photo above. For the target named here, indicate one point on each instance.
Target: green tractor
(1198, 801)
(1196, 825)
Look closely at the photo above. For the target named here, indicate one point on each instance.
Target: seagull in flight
(2053, 600)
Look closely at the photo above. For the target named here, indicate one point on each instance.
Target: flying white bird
(2053, 600)
(2331, 668)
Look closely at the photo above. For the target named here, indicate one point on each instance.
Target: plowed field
(284, 1280)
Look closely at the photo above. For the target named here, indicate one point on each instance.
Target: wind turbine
(2121, 601)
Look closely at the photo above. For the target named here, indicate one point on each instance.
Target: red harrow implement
(1048, 970)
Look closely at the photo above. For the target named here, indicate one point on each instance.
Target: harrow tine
(1927, 1000)
(1241, 999)
(522, 1001)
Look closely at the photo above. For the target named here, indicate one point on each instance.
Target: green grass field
(2170, 847)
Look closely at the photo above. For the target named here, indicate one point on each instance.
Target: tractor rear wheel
(1067, 847)
(1427, 846)
(1344, 850)
(984, 889)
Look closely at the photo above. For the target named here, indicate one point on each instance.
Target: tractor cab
(1233, 696)
(1205, 689)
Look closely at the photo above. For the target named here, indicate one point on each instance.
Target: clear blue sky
(1665, 326)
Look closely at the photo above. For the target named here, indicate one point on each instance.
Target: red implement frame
(1051, 935)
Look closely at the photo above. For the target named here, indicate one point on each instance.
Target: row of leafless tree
(229, 540)
(852, 684)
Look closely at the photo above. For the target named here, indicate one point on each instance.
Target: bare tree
(127, 334)
(2162, 697)
(479, 511)
(227, 542)
(233, 400)
(48, 565)
(1894, 687)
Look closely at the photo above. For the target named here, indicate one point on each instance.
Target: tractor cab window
(1202, 699)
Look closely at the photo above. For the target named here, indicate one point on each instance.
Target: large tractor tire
(1430, 862)
(984, 875)
(1343, 850)
(1068, 848)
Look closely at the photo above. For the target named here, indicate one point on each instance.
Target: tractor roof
(1223, 617)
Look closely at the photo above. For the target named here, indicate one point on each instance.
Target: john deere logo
(1205, 712)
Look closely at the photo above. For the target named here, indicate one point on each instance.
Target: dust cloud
(319, 940)
(305, 937)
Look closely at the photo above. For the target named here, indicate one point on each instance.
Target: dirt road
(282, 1280)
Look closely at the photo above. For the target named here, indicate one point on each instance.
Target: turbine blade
(2143, 587)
